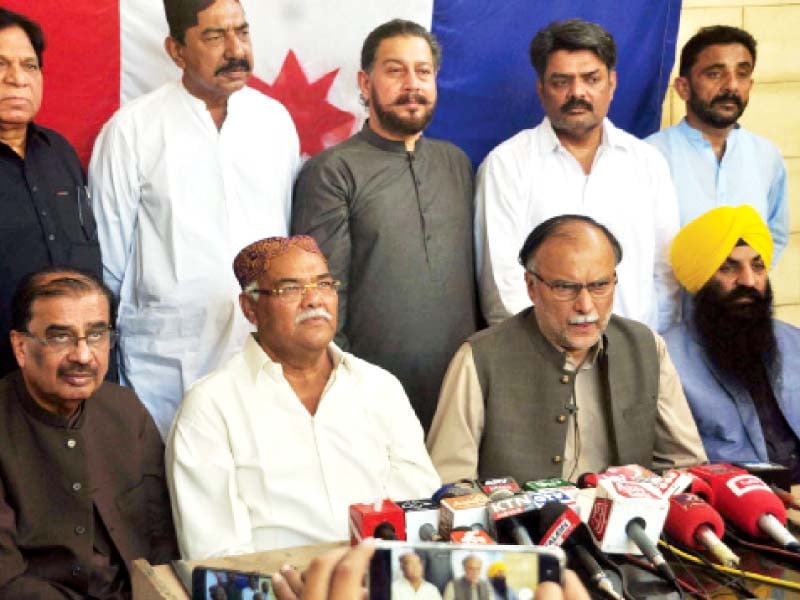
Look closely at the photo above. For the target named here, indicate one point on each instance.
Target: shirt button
(44, 213)
(35, 188)
(80, 530)
(564, 379)
(77, 486)
(561, 419)
(556, 460)
(71, 443)
(51, 237)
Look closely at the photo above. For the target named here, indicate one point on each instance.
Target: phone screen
(222, 584)
(400, 570)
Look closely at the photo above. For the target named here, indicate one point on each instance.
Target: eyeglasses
(293, 291)
(63, 341)
(569, 290)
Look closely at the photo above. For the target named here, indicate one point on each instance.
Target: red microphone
(694, 523)
(748, 503)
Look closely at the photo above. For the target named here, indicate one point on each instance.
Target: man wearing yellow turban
(740, 367)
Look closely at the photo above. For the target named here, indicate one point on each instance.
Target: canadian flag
(101, 53)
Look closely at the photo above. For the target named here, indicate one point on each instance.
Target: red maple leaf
(319, 123)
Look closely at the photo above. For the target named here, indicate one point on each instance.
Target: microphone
(421, 519)
(476, 534)
(630, 511)
(748, 503)
(694, 523)
(505, 511)
(559, 525)
(382, 519)
(460, 511)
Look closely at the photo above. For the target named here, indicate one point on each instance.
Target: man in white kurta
(271, 449)
(182, 178)
(576, 162)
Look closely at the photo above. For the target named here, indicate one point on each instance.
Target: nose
(14, 74)
(730, 82)
(747, 277)
(577, 88)
(80, 352)
(411, 81)
(584, 303)
(234, 46)
(312, 296)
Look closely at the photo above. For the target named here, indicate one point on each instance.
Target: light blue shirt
(751, 172)
(726, 417)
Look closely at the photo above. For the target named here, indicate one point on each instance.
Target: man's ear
(18, 346)
(681, 85)
(364, 87)
(246, 303)
(175, 50)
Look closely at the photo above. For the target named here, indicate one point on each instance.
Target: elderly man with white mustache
(270, 450)
(563, 387)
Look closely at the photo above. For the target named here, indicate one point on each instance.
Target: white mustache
(581, 319)
(312, 313)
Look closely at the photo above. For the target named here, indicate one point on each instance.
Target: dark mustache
(741, 291)
(575, 103)
(234, 64)
(408, 98)
(728, 97)
(73, 372)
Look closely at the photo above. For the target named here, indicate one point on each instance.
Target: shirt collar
(381, 142)
(695, 136)
(257, 360)
(550, 143)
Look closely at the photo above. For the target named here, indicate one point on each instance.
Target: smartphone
(227, 584)
(400, 568)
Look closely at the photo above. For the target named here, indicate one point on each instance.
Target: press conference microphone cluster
(695, 524)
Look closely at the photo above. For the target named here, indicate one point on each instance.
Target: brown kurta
(78, 494)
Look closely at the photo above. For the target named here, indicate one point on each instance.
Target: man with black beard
(713, 160)
(392, 211)
(740, 368)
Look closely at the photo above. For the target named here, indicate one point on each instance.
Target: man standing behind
(82, 490)
(412, 585)
(740, 368)
(181, 179)
(577, 162)
(270, 450)
(714, 161)
(392, 211)
(45, 213)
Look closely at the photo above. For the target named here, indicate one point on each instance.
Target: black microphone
(559, 525)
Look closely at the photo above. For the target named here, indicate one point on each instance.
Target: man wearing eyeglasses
(270, 450)
(82, 489)
(564, 387)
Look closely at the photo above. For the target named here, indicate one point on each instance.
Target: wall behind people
(770, 112)
(104, 52)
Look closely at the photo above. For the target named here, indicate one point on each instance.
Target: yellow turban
(496, 567)
(702, 245)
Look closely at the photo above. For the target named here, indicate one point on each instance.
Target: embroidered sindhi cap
(702, 245)
(253, 260)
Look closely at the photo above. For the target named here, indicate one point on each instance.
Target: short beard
(400, 125)
(738, 338)
(704, 111)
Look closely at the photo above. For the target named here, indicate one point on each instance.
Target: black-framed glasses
(569, 290)
(292, 290)
(62, 341)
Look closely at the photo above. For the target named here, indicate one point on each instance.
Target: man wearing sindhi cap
(270, 450)
(739, 366)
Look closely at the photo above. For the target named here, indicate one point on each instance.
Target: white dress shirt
(250, 469)
(175, 200)
(532, 177)
(403, 590)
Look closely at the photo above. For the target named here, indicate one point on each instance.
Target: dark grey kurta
(396, 227)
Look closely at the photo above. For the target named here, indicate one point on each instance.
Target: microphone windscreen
(743, 499)
(587, 480)
(701, 488)
(562, 526)
(686, 513)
